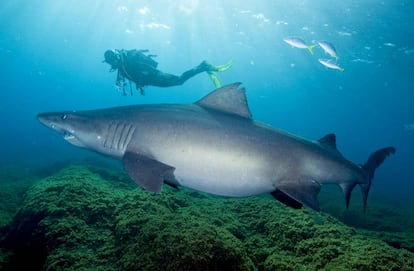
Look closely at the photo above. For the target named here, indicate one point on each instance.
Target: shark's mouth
(57, 128)
(72, 139)
(68, 136)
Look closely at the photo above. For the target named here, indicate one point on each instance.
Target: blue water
(51, 56)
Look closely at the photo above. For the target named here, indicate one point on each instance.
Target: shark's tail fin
(373, 162)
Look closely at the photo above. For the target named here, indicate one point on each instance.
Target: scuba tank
(140, 57)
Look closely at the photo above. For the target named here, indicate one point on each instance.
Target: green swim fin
(224, 67)
(215, 79)
(213, 68)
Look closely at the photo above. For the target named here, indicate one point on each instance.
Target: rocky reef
(88, 218)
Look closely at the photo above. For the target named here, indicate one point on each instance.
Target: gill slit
(123, 136)
(118, 136)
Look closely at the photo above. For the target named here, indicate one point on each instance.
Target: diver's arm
(120, 82)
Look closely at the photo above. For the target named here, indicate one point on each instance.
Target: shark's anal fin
(146, 172)
(230, 99)
(301, 191)
(347, 189)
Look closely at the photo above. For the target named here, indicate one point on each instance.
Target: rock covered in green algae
(174, 242)
(88, 219)
(76, 220)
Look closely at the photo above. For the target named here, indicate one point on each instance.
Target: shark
(215, 146)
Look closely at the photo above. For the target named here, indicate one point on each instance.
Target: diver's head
(113, 58)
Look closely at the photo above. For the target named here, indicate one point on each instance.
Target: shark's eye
(64, 116)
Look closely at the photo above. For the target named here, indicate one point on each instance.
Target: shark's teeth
(68, 136)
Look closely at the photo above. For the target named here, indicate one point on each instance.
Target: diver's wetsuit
(142, 70)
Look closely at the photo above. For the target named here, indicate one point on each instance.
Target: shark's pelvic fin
(285, 199)
(230, 99)
(302, 191)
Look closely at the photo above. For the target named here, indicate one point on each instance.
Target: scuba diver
(140, 68)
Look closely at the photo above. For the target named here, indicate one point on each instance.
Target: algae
(89, 218)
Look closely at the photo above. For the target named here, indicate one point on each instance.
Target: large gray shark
(214, 146)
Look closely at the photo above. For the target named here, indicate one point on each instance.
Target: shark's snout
(63, 123)
(45, 119)
(41, 117)
(53, 121)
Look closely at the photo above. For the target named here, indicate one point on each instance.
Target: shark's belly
(224, 186)
(220, 171)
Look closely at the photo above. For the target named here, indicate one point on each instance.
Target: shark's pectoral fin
(146, 172)
(299, 192)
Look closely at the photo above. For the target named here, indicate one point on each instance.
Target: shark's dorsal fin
(328, 140)
(229, 99)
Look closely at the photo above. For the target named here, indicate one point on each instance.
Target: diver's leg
(165, 80)
(203, 67)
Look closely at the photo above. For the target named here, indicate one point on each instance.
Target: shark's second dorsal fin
(229, 99)
(329, 143)
(328, 140)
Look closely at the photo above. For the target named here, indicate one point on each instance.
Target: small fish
(299, 43)
(330, 64)
(389, 44)
(328, 48)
